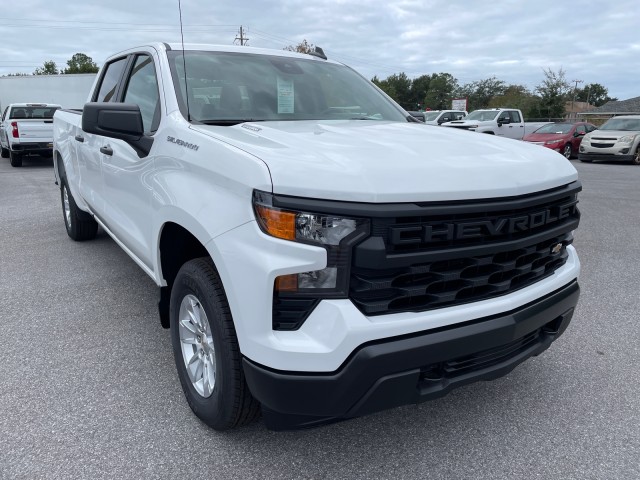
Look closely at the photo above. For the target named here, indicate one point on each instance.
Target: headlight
(335, 233)
(551, 142)
(628, 139)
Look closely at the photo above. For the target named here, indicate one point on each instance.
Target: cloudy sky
(596, 42)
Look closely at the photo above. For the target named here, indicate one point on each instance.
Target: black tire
(230, 403)
(567, 151)
(636, 157)
(4, 152)
(15, 159)
(80, 225)
(584, 160)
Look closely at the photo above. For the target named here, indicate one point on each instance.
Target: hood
(374, 161)
(612, 133)
(545, 137)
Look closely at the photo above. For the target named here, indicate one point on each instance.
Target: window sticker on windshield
(285, 96)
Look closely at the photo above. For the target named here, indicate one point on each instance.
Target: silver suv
(617, 140)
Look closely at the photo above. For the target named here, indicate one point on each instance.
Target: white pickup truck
(320, 254)
(27, 128)
(503, 122)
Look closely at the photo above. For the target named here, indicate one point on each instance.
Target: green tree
(398, 87)
(518, 96)
(49, 68)
(441, 88)
(554, 92)
(302, 47)
(81, 63)
(480, 92)
(594, 93)
(418, 91)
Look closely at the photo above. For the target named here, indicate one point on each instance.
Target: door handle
(107, 150)
(79, 138)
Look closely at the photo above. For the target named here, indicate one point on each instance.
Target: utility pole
(241, 36)
(575, 88)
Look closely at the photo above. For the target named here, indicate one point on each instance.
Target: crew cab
(617, 140)
(503, 122)
(27, 128)
(319, 253)
(438, 117)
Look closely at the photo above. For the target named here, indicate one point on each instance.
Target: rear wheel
(206, 351)
(15, 159)
(567, 151)
(80, 225)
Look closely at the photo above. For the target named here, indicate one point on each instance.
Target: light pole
(573, 101)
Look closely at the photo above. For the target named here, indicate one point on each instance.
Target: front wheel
(80, 225)
(15, 159)
(205, 348)
(636, 157)
(567, 151)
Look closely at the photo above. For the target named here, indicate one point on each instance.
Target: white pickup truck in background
(320, 253)
(503, 122)
(27, 128)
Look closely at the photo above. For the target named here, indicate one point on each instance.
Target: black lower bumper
(412, 368)
(604, 157)
(40, 148)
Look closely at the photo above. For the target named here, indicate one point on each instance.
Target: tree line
(78, 63)
(436, 91)
(547, 100)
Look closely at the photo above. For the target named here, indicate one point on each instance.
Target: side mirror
(504, 121)
(122, 121)
(581, 133)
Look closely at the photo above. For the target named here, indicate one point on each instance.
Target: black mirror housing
(122, 121)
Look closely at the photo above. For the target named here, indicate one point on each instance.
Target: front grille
(438, 255)
(602, 145)
(460, 280)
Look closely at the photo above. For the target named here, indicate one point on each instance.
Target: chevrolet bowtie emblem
(556, 248)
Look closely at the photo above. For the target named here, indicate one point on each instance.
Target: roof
(617, 107)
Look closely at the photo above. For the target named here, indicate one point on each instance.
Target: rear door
(126, 176)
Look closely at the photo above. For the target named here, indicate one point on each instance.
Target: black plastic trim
(605, 157)
(453, 207)
(396, 371)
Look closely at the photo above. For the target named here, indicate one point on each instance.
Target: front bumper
(604, 157)
(411, 368)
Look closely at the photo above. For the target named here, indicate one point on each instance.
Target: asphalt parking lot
(88, 387)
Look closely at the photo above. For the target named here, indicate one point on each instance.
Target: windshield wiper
(229, 122)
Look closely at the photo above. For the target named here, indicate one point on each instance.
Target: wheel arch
(176, 246)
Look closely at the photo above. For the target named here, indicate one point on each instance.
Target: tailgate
(35, 131)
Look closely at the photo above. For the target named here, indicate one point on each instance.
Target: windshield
(431, 116)
(228, 88)
(555, 128)
(482, 115)
(630, 124)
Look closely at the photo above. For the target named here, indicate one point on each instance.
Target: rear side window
(109, 83)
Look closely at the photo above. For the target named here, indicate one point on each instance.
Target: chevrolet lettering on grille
(481, 229)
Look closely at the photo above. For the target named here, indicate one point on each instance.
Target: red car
(562, 137)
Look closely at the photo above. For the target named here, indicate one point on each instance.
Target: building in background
(70, 90)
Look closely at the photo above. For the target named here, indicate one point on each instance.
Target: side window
(515, 117)
(581, 129)
(112, 74)
(591, 128)
(142, 89)
(446, 117)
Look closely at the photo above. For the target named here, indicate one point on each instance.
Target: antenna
(184, 64)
